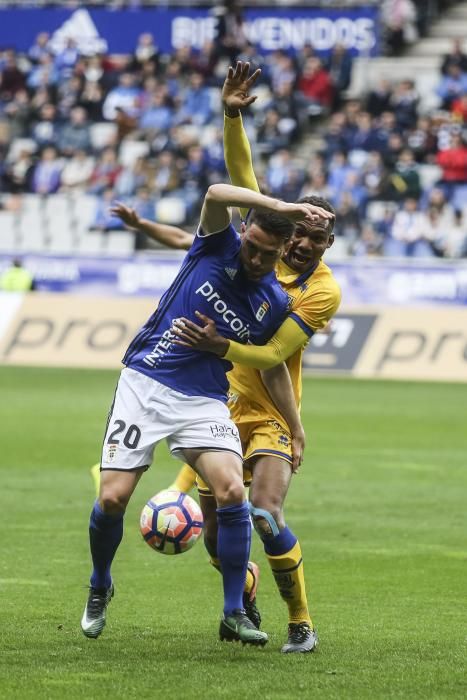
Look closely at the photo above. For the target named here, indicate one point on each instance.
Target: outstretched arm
(237, 151)
(170, 236)
(287, 340)
(279, 387)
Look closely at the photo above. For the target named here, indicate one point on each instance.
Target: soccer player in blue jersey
(166, 391)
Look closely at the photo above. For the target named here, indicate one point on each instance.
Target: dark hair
(272, 223)
(320, 202)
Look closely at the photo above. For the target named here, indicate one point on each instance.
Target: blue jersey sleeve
(226, 242)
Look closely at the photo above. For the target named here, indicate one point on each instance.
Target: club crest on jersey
(260, 314)
(231, 272)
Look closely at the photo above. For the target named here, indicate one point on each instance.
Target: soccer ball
(171, 522)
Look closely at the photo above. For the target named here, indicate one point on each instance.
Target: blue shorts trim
(276, 453)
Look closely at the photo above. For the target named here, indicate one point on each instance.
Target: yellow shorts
(260, 435)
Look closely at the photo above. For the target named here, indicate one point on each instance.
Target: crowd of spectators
(147, 127)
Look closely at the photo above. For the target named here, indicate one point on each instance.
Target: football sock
(186, 479)
(96, 476)
(250, 579)
(105, 534)
(285, 559)
(233, 549)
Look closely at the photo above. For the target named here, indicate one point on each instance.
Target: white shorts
(144, 412)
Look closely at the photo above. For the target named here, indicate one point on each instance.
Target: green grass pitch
(379, 507)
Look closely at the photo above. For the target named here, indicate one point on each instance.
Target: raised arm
(170, 236)
(279, 387)
(215, 215)
(237, 151)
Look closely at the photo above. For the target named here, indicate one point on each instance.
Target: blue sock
(281, 544)
(105, 534)
(233, 550)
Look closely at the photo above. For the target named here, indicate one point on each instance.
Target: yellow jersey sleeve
(287, 340)
(318, 307)
(237, 154)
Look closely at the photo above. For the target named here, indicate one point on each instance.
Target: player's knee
(112, 502)
(230, 494)
(267, 521)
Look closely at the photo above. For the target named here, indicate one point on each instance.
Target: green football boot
(237, 627)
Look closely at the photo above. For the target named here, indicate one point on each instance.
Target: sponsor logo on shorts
(222, 431)
(110, 452)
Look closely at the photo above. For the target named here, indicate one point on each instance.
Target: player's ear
(330, 240)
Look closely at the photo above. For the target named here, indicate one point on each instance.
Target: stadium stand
(383, 138)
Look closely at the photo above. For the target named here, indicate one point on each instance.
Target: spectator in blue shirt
(46, 174)
(124, 97)
(66, 59)
(452, 85)
(44, 74)
(103, 219)
(196, 106)
(75, 135)
(45, 130)
(157, 116)
(39, 48)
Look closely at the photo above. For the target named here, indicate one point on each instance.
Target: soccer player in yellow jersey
(270, 428)
(266, 415)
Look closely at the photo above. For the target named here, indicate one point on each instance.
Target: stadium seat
(208, 135)
(215, 99)
(103, 134)
(376, 211)
(19, 145)
(32, 232)
(338, 250)
(170, 210)
(8, 238)
(130, 151)
(429, 175)
(91, 242)
(264, 96)
(119, 242)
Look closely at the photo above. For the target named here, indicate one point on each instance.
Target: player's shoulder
(227, 240)
(322, 279)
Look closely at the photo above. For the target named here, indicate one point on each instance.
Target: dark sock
(105, 534)
(233, 547)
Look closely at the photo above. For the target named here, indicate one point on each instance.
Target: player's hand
(205, 337)
(129, 216)
(303, 211)
(298, 448)
(237, 86)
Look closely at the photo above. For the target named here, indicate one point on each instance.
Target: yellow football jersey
(314, 302)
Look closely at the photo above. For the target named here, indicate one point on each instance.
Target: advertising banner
(375, 342)
(395, 283)
(98, 30)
